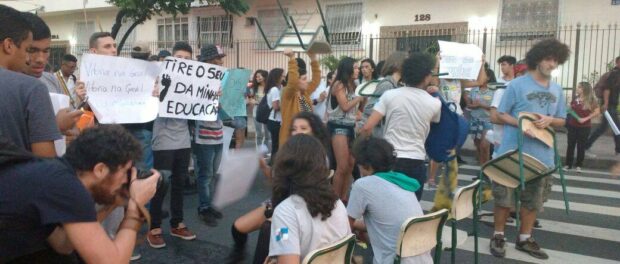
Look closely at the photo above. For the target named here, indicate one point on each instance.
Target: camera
(143, 174)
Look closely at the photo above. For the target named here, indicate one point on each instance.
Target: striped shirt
(209, 132)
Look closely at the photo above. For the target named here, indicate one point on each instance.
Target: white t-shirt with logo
(408, 115)
(295, 232)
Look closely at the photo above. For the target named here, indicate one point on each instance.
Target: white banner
(189, 89)
(460, 61)
(120, 90)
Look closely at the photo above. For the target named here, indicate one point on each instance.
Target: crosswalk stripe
(554, 255)
(583, 171)
(569, 189)
(560, 227)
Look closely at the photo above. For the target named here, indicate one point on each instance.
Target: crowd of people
(338, 162)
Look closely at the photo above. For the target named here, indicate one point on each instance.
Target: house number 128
(423, 17)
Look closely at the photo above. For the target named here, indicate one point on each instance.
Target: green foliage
(331, 62)
(142, 10)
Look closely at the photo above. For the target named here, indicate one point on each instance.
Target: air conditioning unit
(249, 21)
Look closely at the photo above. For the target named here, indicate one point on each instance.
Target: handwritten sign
(189, 89)
(460, 61)
(120, 90)
(234, 88)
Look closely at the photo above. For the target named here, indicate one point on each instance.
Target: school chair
(337, 253)
(514, 168)
(421, 234)
(464, 204)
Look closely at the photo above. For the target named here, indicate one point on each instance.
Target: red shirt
(578, 106)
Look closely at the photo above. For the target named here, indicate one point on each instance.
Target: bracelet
(133, 226)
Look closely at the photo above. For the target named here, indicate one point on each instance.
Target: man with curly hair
(535, 93)
(48, 205)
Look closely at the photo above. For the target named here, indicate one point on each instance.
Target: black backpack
(263, 110)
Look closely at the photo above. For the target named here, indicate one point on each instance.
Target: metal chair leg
(475, 233)
(453, 250)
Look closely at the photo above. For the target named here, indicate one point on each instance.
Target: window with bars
(171, 30)
(83, 31)
(215, 30)
(344, 21)
(273, 24)
(528, 19)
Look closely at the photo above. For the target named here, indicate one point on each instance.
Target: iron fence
(593, 48)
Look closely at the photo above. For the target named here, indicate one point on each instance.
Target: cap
(141, 47)
(164, 53)
(210, 52)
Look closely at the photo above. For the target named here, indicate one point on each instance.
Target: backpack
(262, 111)
(601, 84)
(450, 133)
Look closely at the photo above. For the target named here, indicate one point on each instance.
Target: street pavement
(590, 233)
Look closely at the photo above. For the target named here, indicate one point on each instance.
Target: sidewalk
(603, 148)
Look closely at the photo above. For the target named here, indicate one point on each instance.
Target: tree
(140, 11)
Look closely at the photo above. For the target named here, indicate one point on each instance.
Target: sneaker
(135, 256)
(215, 213)
(578, 169)
(155, 239)
(207, 218)
(531, 247)
(567, 168)
(182, 232)
(498, 246)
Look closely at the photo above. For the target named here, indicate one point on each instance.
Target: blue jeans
(145, 137)
(208, 158)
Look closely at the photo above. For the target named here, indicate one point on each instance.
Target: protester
(408, 113)
(609, 84)
(307, 214)
(171, 152)
(274, 84)
(303, 123)
(507, 67)
(207, 146)
(27, 115)
(535, 93)
(319, 96)
(342, 106)
(451, 90)
(368, 71)
(382, 200)
(49, 204)
(66, 75)
(163, 54)
(391, 70)
(258, 90)
(295, 96)
(479, 101)
(585, 106)
(39, 53)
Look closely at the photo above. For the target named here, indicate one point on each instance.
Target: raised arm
(291, 88)
(316, 74)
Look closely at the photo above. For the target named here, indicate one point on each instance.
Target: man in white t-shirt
(408, 113)
(507, 64)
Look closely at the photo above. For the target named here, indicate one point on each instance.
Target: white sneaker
(578, 169)
(566, 168)
(589, 154)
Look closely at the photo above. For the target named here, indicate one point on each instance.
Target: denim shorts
(339, 129)
(240, 122)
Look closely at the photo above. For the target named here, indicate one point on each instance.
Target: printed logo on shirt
(282, 234)
(543, 98)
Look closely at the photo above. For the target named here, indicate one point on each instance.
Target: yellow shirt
(289, 103)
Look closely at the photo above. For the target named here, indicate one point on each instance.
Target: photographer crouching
(47, 206)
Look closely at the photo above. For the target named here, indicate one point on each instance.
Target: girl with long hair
(479, 101)
(303, 123)
(274, 84)
(308, 215)
(342, 114)
(584, 107)
(258, 90)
